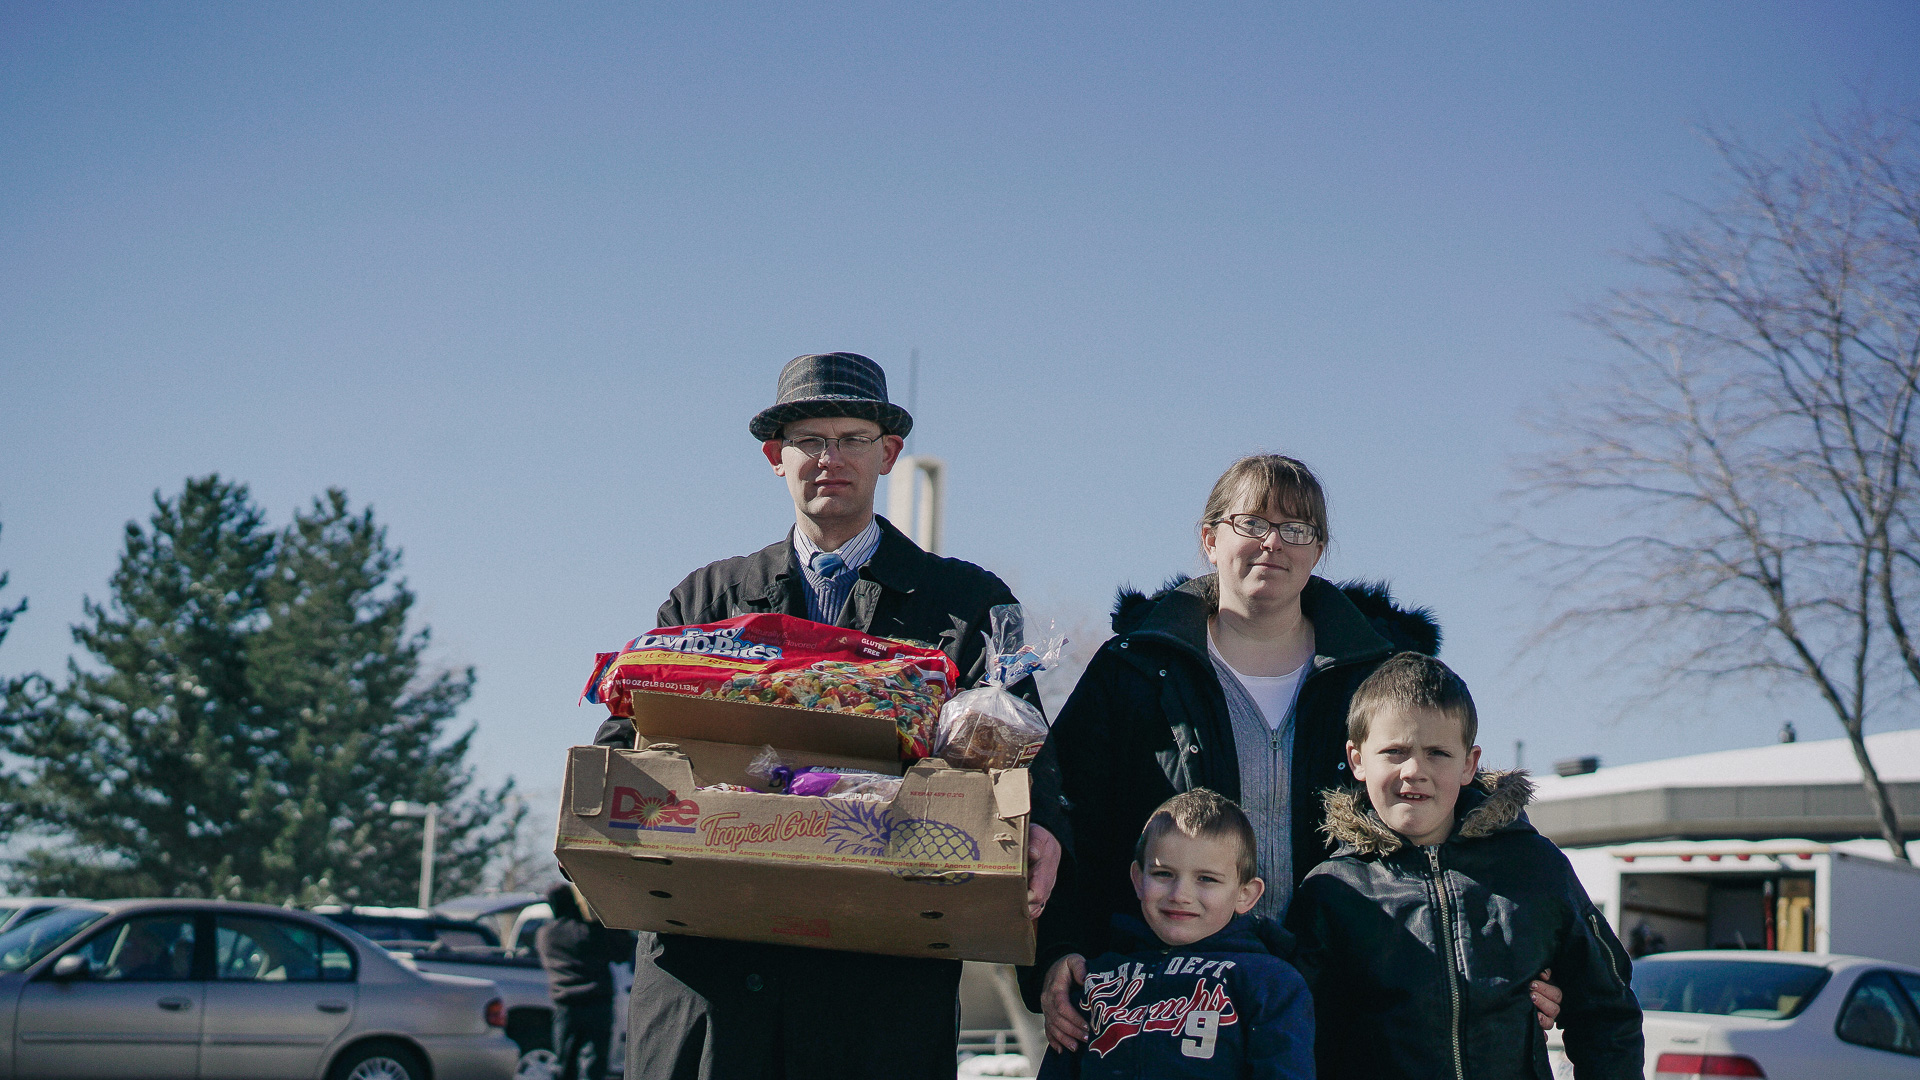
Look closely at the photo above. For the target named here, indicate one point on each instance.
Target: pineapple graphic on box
(859, 828)
(865, 828)
(920, 840)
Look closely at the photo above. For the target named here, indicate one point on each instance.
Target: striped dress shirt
(827, 593)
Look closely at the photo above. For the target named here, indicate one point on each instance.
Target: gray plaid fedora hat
(821, 385)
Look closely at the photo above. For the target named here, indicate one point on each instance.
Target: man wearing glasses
(725, 1010)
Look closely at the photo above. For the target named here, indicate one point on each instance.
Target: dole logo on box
(632, 810)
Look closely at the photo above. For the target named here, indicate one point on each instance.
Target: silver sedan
(191, 989)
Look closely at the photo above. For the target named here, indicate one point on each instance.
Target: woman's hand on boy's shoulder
(1066, 1028)
(1546, 1000)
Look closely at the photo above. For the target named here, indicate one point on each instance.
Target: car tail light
(497, 1017)
(1688, 1066)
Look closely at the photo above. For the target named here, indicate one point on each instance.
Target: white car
(1779, 1015)
(189, 989)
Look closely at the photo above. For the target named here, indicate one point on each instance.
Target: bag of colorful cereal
(775, 659)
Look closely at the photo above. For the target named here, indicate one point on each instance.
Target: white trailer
(1790, 895)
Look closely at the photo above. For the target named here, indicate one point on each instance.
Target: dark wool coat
(1224, 1007)
(719, 1010)
(1420, 957)
(1148, 721)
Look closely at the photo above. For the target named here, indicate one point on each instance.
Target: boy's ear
(772, 448)
(1250, 894)
(1353, 761)
(1473, 765)
(1139, 877)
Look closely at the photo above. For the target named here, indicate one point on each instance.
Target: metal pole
(933, 503)
(922, 518)
(426, 855)
(913, 383)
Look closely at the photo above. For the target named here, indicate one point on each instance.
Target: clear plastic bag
(872, 787)
(987, 727)
(822, 781)
(771, 769)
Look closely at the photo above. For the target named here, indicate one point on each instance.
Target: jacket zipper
(1446, 932)
(1613, 965)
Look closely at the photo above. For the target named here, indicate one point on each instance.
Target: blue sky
(517, 275)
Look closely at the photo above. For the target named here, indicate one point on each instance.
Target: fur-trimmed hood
(1495, 801)
(1405, 628)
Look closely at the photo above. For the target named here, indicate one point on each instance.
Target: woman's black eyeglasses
(1255, 527)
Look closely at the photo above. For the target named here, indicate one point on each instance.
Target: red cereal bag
(780, 660)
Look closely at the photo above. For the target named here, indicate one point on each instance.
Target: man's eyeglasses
(850, 445)
(1255, 527)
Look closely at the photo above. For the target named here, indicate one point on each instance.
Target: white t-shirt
(1273, 693)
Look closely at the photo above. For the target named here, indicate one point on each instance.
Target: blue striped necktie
(829, 565)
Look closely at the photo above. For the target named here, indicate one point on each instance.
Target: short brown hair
(1259, 480)
(1202, 814)
(1412, 680)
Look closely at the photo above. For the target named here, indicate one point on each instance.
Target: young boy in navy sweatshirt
(1194, 990)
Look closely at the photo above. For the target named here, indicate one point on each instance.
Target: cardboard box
(939, 871)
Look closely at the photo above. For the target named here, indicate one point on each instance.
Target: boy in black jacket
(1193, 991)
(1420, 935)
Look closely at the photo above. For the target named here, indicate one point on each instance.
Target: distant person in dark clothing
(579, 953)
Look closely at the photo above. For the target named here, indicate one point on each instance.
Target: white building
(1802, 790)
(1771, 847)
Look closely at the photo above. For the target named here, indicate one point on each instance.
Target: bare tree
(1754, 453)
(524, 862)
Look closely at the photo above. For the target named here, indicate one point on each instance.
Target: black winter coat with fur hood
(1148, 721)
(1420, 957)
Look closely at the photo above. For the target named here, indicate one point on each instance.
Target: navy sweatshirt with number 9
(1222, 1007)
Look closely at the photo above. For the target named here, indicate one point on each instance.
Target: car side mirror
(70, 966)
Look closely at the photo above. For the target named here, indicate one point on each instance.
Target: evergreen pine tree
(360, 727)
(8, 614)
(139, 766)
(255, 697)
(17, 696)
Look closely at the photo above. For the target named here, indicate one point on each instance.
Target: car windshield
(25, 944)
(34, 913)
(1759, 988)
(529, 934)
(443, 933)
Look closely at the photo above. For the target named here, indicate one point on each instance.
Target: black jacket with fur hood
(1420, 957)
(1148, 721)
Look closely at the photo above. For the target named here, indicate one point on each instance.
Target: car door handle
(332, 1006)
(174, 1004)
